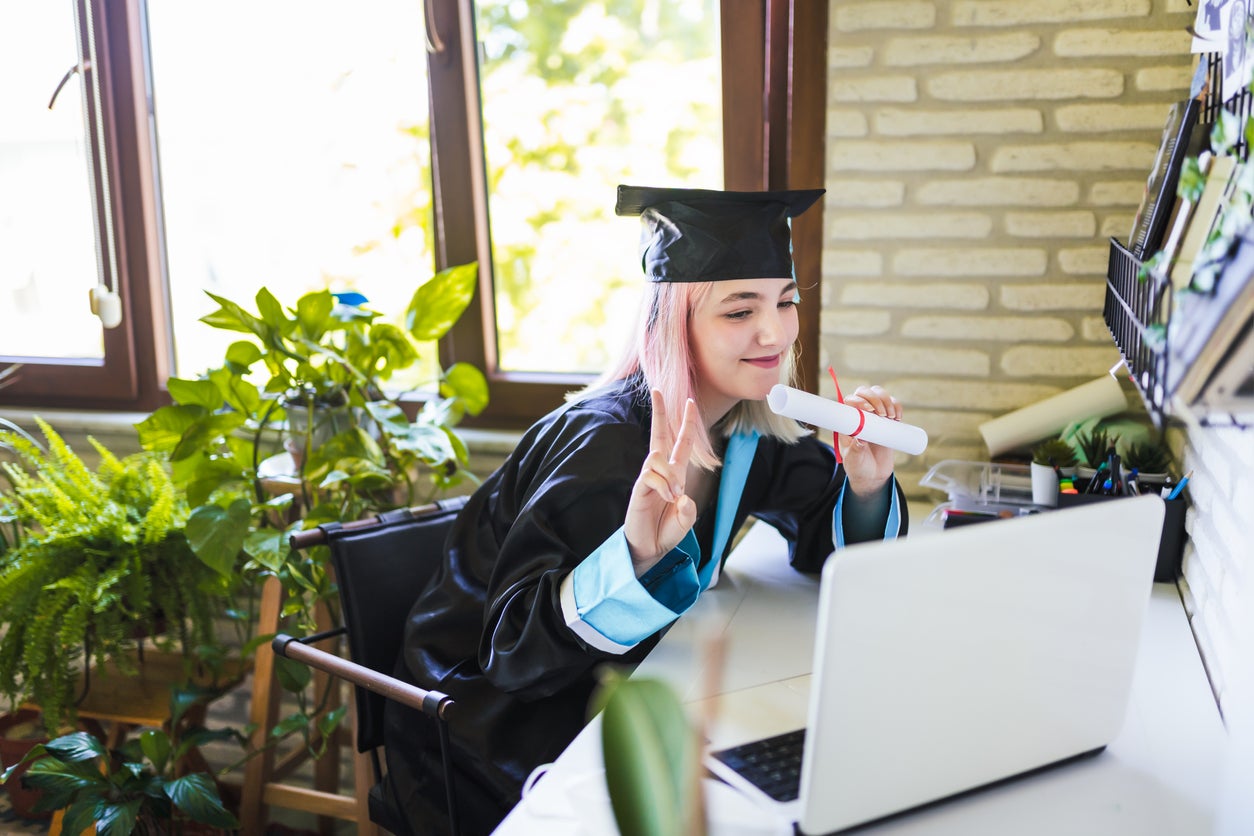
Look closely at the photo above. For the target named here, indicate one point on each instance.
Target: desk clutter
(980, 492)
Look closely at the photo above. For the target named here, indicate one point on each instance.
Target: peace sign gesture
(660, 513)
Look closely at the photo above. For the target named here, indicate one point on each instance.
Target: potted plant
(1095, 446)
(143, 787)
(1150, 459)
(1048, 460)
(90, 561)
(21, 731)
(323, 355)
(307, 387)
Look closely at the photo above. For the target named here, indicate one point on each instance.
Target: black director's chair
(381, 565)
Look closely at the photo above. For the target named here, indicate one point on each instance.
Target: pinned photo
(1237, 49)
(1210, 28)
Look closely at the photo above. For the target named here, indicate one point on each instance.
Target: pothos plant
(91, 559)
(323, 353)
(325, 360)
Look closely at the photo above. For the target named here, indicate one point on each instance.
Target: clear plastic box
(979, 486)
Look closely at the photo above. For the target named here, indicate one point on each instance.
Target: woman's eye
(738, 314)
(788, 303)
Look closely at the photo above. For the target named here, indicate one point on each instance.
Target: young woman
(615, 511)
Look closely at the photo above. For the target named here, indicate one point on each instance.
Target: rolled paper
(1095, 399)
(847, 420)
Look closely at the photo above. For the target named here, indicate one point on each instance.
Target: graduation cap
(703, 235)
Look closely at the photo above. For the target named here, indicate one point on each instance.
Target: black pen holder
(1170, 545)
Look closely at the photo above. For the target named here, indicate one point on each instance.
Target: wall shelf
(1138, 310)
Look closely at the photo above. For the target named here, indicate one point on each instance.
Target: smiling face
(740, 333)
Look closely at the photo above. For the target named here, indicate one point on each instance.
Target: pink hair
(662, 352)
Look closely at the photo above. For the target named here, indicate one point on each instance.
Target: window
(297, 145)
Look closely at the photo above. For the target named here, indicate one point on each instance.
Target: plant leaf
(465, 381)
(268, 547)
(231, 317)
(33, 753)
(113, 819)
(313, 313)
(74, 747)
(164, 428)
(241, 354)
(331, 720)
(216, 534)
(156, 746)
(81, 815)
(204, 432)
(60, 783)
(198, 798)
(289, 724)
(648, 749)
(199, 392)
(438, 303)
(293, 675)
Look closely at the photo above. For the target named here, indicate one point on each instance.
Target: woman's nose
(772, 328)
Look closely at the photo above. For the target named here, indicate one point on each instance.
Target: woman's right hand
(660, 514)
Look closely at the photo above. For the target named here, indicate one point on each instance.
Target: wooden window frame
(774, 118)
(774, 106)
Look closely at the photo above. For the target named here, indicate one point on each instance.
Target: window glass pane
(48, 261)
(294, 152)
(579, 97)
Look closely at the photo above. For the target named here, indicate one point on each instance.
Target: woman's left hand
(869, 466)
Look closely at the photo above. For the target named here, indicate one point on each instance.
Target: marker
(1114, 483)
(1175, 492)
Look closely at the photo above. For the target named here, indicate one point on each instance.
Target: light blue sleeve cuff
(606, 605)
(891, 528)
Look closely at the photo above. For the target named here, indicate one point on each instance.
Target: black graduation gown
(489, 629)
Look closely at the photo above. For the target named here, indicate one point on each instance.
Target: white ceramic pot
(1044, 485)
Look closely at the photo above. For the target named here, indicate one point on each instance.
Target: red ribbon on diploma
(861, 418)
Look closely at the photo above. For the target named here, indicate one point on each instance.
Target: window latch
(435, 45)
(80, 67)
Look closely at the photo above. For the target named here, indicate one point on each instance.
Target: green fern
(94, 557)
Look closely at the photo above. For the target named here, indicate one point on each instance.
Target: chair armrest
(432, 703)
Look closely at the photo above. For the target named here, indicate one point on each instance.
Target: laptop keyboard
(772, 764)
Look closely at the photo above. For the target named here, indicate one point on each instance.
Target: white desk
(1160, 776)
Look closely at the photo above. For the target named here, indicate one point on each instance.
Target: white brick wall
(980, 154)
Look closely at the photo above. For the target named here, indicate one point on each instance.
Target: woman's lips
(764, 362)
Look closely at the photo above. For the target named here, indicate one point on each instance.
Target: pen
(1094, 480)
(1114, 477)
(1175, 492)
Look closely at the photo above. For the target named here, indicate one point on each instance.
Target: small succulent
(1147, 457)
(1094, 446)
(1054, 453)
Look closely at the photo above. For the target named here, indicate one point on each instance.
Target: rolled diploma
(842, 418)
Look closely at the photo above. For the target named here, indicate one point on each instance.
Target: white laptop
(947, 662)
